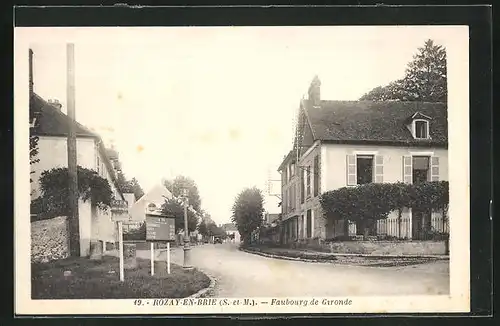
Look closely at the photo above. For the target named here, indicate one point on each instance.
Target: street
(241, 274)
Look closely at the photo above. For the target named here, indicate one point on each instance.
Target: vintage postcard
(223, 170)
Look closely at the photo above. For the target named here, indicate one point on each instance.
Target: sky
(216, 104)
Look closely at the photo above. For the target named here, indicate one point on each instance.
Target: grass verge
(94, 279)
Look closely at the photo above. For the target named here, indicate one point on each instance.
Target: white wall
(334, 176)
(95, 224)
(155, 195)
(85, 226)
(53, 153)
(334, 167)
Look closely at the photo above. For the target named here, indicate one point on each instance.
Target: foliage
(211, 229)
(216, 231)
(177, 185)
(248, 212)
(376, 200)
(54, 186)
(425, 79)
(129, 186)
(203, 228)
(33, 150)
(173, 208)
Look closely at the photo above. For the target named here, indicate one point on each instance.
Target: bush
(54, 199)
(376, 200)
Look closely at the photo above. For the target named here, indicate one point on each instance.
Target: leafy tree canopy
(129, 186)
(173, 208)
(248, 210)
(177, 185)
(425, 79)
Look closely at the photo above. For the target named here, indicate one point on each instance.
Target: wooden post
(74, 235)
(120, 239)
(168, 257)
(152, 258)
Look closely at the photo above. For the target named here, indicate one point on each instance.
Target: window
(98, 164)
(308, 179)
(284, 177)
(316, 175)
(292, 171)
(290, 195)
(364, 169)
(308, 224)
(421, 129)
(420, 170)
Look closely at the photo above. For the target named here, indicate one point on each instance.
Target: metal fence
(407, 228)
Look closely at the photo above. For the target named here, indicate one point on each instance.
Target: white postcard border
(458, 116)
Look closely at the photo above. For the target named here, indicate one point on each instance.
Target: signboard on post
(119, 213)
(160, 228)
(119, 210)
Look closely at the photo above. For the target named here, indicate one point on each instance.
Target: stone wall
(49, 240)
(389, 247)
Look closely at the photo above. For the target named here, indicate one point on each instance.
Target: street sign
(160, 228)
(119, 210)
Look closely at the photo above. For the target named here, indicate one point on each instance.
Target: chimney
(30, 63)
(55, 103)
(315, 91)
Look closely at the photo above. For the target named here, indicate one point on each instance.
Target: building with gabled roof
(51, 126)
(345, 143)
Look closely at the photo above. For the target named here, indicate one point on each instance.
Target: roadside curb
(205, 292)
(443, 257)
(306, 260)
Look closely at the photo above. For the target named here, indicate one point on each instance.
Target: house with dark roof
(52, 126)
(347, 143)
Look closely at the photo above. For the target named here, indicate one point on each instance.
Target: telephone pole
(187, 260)
(74, 225)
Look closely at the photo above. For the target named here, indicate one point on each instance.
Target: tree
(248, 212)
(172, 207)
(203, 228)
(129, 186)
(136, 188)
(425, 79)
(177, 185)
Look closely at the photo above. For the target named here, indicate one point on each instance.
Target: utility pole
(187, 260)
(74, 234)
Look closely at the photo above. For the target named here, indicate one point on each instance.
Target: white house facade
(346, 143)
(52, 127)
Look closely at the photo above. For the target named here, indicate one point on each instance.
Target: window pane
(364, 169)
(420, 163)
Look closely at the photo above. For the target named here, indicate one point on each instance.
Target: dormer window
(421, 129)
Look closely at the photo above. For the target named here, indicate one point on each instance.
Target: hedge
(375, 201)
(54, 186)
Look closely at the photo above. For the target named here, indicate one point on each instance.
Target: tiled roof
(376, 122)
(52, 121)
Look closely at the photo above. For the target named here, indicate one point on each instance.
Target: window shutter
(351, 170)
(379, 169)
(434, 168)
(407, 169)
